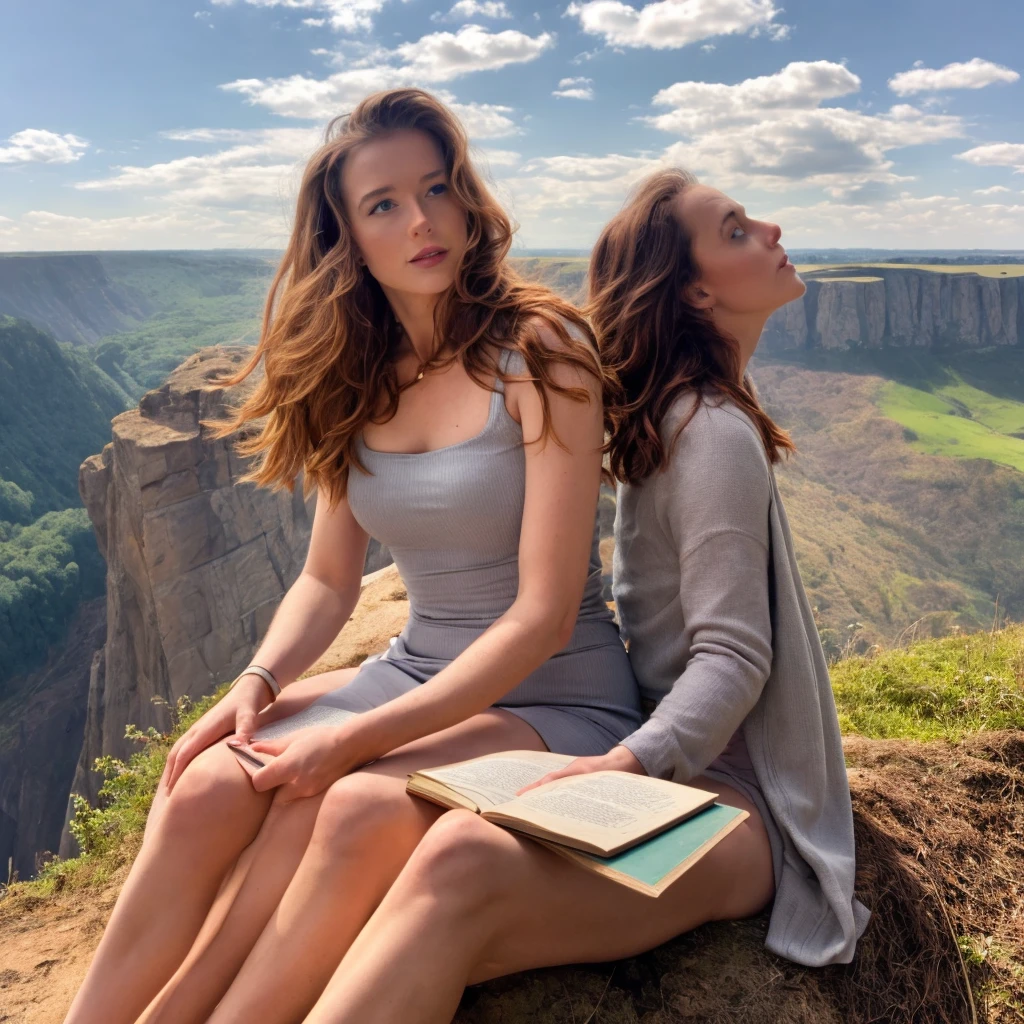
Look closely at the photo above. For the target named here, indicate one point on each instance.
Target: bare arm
(321, 599)
(310, 616)
(554, 550)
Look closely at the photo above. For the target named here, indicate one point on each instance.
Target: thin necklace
(401, 331)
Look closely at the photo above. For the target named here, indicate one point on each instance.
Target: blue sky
(891, 123)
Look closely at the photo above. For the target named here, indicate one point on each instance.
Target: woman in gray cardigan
(721, 638)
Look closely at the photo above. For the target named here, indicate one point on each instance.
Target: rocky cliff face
(196, 562)
(71, 296)
(872, 308)
(41, 723)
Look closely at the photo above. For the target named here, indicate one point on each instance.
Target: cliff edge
(196, 562)
(878, 307)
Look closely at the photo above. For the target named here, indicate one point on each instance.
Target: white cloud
(992, 190)
(613, 166)
(263, 164)
(701, 106)
(483, 120)
(434, 58)
(499, 157)
(935, 221)
(670, 24)
(575, 89)
(442, 56)
(472, 8)
(173, 228)
(974, 74)
(996, 154)
(314, 22)
(775, 132)
(38, 146)
(240, 194)
(566, 200)
(342, 15)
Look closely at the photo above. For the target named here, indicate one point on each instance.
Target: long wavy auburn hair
(329, 336)
(654, 345)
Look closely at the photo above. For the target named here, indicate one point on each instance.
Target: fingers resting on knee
(213, 790)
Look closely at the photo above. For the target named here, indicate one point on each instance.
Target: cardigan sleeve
(713, 500)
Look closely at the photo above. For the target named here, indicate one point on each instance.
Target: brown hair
(327, 348)
(654, 345)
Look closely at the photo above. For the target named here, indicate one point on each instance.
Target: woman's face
(743, 271)
(401, 211)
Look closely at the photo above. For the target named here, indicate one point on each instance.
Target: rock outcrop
(196, 562)
(42, 718)
(888, 306)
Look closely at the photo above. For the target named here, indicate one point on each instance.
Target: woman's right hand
(235, 713)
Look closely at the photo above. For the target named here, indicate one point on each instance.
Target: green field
(959, 421)
(984, 269)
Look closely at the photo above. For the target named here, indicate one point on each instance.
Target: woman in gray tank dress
(454, 412)
(452, 519)
(720, 633)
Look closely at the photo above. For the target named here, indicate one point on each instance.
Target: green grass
(1000, 414)
(934, 689)
(109, 835)
(939, 426)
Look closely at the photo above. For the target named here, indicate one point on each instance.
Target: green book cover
(653, 861)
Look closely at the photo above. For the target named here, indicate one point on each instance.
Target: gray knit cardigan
(721, 634)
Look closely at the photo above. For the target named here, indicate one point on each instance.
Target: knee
(465, 863)
(358, 809)
(209, 793)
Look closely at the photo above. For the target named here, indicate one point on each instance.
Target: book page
(578, 809)
(602, 811)
(496, 778)
(309, 717)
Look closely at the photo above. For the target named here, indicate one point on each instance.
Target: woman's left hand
(308, 761)
(618, 759)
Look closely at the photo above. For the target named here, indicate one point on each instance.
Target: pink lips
(429, 256)
(784, 262)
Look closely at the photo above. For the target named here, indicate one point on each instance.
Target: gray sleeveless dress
(451, 519)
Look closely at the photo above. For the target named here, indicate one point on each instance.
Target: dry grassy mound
(940, 837)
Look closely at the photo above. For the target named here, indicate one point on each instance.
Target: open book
(638, 831)
(309, 717)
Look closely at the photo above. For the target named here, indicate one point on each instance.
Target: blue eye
(441, 185)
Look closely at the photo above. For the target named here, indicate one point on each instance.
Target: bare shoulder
(551, 340)
(583, 372)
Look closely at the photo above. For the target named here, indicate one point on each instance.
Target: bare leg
(492, 904)
(192, 838)
(243, 907)
(366, 828)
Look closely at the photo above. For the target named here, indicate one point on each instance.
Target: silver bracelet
(264, 674)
